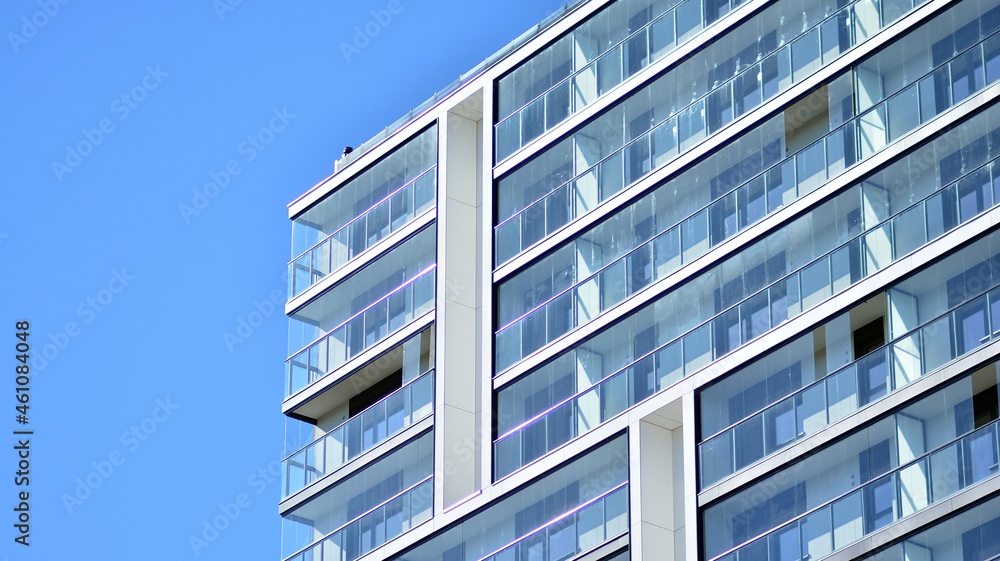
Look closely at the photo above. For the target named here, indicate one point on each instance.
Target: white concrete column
(485, 259)
(656, 479)
(689, 451)
(458, 419)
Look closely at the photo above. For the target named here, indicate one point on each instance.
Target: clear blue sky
(144, 420)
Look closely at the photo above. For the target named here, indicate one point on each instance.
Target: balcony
(940, 341)
(788, 180)
(812, 283)
(392, 415)
(580, 530)
(621, 61)
(375, 527)
(693, 123)
(385, 217)
(361, 331)
(933, 477)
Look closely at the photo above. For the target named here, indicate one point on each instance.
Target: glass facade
(786, 386)
(895, 467)
(783, 348)
(636, 247)
(848, 238)
(607, 49)
(761, 58)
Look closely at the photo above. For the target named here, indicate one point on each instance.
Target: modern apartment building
(663, 279)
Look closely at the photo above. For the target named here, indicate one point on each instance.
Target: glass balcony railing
(383, 218)
(844, 391)
(362, 330)
(906, 490)
(375, 527)
(587, 526)
(394, 413)
(784, 182)
(801, 57)
(816, 281)
(621, 61)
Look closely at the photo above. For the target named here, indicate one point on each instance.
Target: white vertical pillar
(689, 449)
(657, 483)
(458, 418)
(484, 241)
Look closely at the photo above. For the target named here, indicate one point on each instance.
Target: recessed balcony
(365, 430)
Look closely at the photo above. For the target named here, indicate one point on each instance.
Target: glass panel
(815, 283)
(694, 236)
(936, 343)
(748, 439)
(716, 458)
(842, 391)
(817, 533)
(697, 349)
(971, 322)
(873, 377)
(805, 55)
(783, 544)
(913, 488)
(810, 410)
(980, 454)
(946, 470)
(904, 112)
(847, 521)
(533, 120)
(880, 503)
(908, 230)
(779, 421)
(557, 104)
